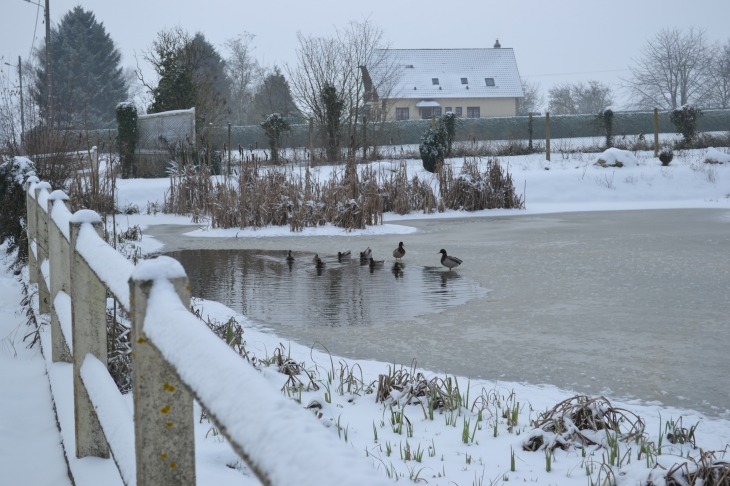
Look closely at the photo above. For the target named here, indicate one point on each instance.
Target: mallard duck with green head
(449, 261)
(289, 258)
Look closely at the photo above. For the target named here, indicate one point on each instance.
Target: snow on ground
(28, 435)
(446, 458)
(30, 446)
(568, 183)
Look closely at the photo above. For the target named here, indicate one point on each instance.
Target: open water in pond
(261, 285)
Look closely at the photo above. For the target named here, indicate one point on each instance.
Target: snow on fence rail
(175, 359)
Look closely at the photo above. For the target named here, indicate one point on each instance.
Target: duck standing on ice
(449, 261)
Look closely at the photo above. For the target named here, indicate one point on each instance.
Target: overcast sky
(554, 41)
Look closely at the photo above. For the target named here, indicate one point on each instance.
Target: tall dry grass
(255, 195)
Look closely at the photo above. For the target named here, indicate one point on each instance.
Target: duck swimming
(343, 254)
(365, 255)
(316, 258)
(289, 258)
(399, 252)
(376, 263)
(449, 261)
(320, 263)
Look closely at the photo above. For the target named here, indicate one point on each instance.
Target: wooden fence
(176, 359)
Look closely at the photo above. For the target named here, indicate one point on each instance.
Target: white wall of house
(488, 107)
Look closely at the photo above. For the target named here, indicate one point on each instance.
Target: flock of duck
(366, 257)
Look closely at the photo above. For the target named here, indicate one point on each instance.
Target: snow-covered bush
(685, 121)
(714, 156)
(13, 173)
(666, 155)
(433, 147)
(614, 157)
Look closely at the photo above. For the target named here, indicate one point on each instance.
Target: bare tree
(242, 70)
(342, 62)
(534, 99)
(717, 94)
(590, 97)
(671, 70)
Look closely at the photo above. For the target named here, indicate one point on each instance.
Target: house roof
(418, 68)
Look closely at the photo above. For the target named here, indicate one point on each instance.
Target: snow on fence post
(163, 404)
(42, 190)
(59, 258)
(88, 306)
(30, 209)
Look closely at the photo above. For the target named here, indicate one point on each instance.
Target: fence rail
(175, 359)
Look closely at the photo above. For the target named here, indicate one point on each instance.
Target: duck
(376, 263)
(289, 258)
(343, 254)
(316, 258)
(365, 255)
(449, 261)
(320, 263)
(399, 252)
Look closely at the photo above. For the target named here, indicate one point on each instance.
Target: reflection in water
(263, 286)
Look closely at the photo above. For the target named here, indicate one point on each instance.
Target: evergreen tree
(191, 74)
(88, 80)
(273, 95)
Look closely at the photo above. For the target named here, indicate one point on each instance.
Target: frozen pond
(263, 286)
(627, 303)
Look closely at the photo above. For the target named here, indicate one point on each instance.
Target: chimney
(497, 45)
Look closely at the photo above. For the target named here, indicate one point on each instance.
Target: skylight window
(435, 81)
(490, 81)
(464, 81)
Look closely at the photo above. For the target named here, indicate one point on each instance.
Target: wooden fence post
(229, 148)
(311, 141)
(364, 138)
(41, 233)
(210, 145)
(656, 132)
(529, 131)
(30, 208)
(163, 405)
(59, 259)
(547, 136)
(88, 310)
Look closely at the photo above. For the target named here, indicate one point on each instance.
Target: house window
(448, 109)
(458, 111)
(489, 81)
(437, 110)
(435, 81)
(464, 81)
(402, 114)
(472, 112)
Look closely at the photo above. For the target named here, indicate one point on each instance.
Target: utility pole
(49, 104)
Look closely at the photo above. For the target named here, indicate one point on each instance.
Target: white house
(472, 83)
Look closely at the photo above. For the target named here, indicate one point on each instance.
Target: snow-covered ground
(439, 451)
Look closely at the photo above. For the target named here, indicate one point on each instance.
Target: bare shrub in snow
(666, 155)
(478, 186)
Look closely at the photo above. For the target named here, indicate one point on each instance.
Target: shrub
(685, 121)
(433, 147)
(666, 155)
(13, 173)
(605, 120)
(448, 121)
(274, 126)
(127, 137)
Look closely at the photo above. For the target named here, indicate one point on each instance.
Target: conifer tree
(88, 81)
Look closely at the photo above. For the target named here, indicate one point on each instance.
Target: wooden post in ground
(42, 191)
(210, 145)
(364, 138)
(88, 323)
(59, 259)
(656, 132)
(163, 405)
(547, 136)
(529, 131)
(311, 141)
(229, 148)
(30, 207)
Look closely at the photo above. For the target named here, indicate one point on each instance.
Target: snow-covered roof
(419, 68)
